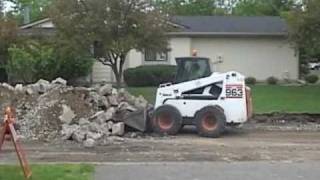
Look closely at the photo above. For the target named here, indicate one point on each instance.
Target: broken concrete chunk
(99, 117)
(18, 88)
(105, 129)
(42, 81)
(78, 136)
(105, 102)
(29, 91)
(113, 100)
(89, 143)
(102, 116)
(140, 102)
(95, 127)
(68, 130)
(99, 113)
(41, 86)
(94, 136)
(114, 92)
(83, 122)
(109, 125)
(118, 129)
(59, 81)
(105, 90)
(96, 99)
(67, 114)
(8, 86)
(126, 106)
(124, 95)
(110, 113)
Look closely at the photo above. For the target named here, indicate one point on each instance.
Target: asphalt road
(210, 171)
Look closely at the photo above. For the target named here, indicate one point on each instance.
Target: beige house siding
(180, 47)
(101, 73)
(257, 57)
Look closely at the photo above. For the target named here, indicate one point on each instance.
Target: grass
(268, 99)
(49, 172)
(289, 99)
(147, 92)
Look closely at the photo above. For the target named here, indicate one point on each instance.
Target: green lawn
(49, 172)
(267, 99)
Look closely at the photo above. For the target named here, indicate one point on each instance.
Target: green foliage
(34, 60)
(190, 7)
(272, 80)
(8, 33)
(37, 9)
(49, 172)
(73, 62)
(312, 79)
(251, 80)
(304, 28)
(151, 75)
(264, 7)
(21, 65)
(228, 7)
(117, 26)
(303, 64)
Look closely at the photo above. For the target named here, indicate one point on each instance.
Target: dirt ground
(245, 144)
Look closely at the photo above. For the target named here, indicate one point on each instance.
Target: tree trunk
(116, 62)
(119, 79)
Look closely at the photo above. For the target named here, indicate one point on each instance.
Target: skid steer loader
(210, 101)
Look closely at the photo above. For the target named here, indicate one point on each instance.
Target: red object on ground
(7, 129)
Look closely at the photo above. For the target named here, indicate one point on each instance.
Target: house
(254, 46)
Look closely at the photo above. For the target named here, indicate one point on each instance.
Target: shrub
(272, 80)
(312, 79)
(3, 74)
(73, 63)
(34, 60)
(149, 75)
(21, 65)
(251, 80)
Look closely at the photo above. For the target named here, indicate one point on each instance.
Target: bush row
(149, 75)
(311, 79)
(153, 75)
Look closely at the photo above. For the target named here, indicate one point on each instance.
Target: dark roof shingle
(231, 25)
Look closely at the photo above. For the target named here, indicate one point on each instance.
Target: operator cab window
(192, 68)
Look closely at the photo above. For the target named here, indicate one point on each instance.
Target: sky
(7, 6)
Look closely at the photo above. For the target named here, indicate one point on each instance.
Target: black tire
(166, 120)
(210, 121)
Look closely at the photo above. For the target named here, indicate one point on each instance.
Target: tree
(115, 26)
(304, 28)
(1, 8)
(8, 33)
(263, 7)
(188, 7)
(36, 8)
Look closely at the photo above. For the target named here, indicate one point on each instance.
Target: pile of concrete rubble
(52, 110)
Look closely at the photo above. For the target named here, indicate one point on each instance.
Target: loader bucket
(138, 120)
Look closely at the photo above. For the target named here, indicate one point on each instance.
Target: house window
(155, 56)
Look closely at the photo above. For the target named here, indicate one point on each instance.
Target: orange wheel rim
(165, 121)
(209, 122)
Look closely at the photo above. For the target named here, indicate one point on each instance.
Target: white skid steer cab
(210, 101)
